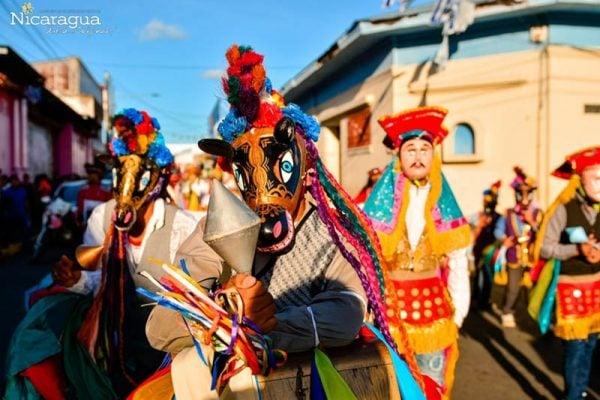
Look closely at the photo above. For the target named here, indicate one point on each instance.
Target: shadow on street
(518, 363)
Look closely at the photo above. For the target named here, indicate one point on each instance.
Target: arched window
(464, 140)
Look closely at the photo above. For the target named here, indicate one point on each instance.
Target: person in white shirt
(136, 231)
(424, 238)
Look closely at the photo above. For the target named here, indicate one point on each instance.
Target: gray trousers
(515, 275)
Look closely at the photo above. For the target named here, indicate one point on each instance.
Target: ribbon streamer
(218, 317)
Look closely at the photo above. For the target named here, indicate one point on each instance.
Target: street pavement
(494, 363)
(504, 364)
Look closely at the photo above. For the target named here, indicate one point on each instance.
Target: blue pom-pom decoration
(232, 126)
(159, 139)
(157, 150)
(119, 147)
(268, 86)
(155, 124)
(159, 153)
(309, 124)
(134, 115)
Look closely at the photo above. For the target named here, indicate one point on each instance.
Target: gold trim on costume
(430, 338)
(576, 328)
(422, 258)
(439, 243)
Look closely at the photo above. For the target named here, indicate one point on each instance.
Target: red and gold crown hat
(577, 162)
(421, 122)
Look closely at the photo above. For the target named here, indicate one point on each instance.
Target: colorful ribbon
(543, 295)
(217, 319)
(409, 388)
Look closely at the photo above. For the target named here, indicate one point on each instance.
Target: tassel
(103, 330)
(409, 388)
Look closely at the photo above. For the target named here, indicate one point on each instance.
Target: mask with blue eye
(144, 181)
(269, 165)
(286, 166)
(136, 181)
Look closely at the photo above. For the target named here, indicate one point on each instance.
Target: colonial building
(522, 87)
(39, 132)
(70, 80)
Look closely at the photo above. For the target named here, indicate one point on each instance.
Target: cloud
(156, 29)
(212, 73)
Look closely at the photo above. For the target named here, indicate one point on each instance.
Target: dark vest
(575, 217)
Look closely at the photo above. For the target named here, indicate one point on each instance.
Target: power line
(23, 29)
(140, 96)
(168, 114)
(27, 52)
(39, 35)
(49, 44)
(49, 51)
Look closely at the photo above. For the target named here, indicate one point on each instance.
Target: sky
(167, 56)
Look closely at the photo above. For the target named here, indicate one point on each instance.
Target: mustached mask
(140, 164)
(264, 146)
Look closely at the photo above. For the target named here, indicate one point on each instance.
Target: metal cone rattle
(231, 228)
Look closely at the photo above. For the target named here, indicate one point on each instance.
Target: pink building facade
(39, 133)
(13, 133)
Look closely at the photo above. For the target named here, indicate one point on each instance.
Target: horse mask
(269, 166)
(264, 146)
(140, 164)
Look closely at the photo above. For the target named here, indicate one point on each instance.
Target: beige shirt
(184, 224)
